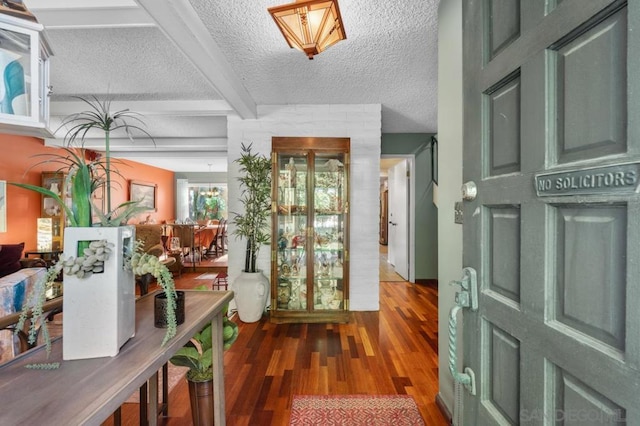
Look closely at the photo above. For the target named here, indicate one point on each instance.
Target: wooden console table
(88, 391)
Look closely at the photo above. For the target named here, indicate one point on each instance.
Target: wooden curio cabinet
(310, 240)
(55, 182)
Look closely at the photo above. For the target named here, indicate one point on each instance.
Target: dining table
(205, 234)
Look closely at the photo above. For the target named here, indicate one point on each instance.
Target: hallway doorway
(397, 215)
(387, 272)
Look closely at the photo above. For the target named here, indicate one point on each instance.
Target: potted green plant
(196, 355)
(104, 251)
(252, 286)
(85, 176)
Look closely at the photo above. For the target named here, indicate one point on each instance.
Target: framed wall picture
(3, 206)
(145, 193)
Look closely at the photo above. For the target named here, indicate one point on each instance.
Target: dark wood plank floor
(393, 351)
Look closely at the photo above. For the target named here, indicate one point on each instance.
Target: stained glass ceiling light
(310, 26)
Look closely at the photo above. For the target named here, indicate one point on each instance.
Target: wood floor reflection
(387, 271)
(393, 351)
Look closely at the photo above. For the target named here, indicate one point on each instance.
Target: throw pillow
(10, 255)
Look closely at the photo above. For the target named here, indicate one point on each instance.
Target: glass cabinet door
(15, 64)
(292, 232)
(329, 230)
(55, 182)
(24, 91)
(309, 253)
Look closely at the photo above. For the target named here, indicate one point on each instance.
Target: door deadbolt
(469, 191)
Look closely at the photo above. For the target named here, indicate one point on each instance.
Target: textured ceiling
(126, 63)
(231, 56)
(389, 57)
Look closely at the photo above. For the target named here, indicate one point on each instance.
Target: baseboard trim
(443, 408)
(429, 282)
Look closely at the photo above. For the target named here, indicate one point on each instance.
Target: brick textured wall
(361, 123)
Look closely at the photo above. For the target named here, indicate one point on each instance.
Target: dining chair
(212, 250)
(221, 239)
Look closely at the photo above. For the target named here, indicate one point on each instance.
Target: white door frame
(411, 162)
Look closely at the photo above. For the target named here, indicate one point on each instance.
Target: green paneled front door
(552, 141)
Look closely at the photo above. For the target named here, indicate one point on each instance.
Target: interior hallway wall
(450, 131)
(425, 212)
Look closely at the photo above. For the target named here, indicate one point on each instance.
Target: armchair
(151, 237)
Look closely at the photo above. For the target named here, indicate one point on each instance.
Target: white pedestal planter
(251, 292)
(99, 311)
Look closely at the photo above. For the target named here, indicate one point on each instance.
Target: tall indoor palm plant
(253, 224)
(252, 287)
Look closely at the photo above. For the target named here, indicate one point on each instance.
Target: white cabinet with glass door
(24, 91)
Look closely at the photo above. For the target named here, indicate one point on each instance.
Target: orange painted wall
(19, 158)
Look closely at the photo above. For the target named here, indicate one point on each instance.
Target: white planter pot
(251, 291)
(99, 311)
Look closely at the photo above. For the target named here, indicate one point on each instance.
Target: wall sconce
(310, 26)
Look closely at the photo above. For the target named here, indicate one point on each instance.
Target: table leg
(217, 356)
(165, 389)
(193, 247)
(153, 399)
(143, 404)
(117, 417)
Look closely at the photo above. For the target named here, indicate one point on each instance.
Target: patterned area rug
(354, 410)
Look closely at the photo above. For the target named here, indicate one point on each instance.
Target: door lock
(466, 298)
